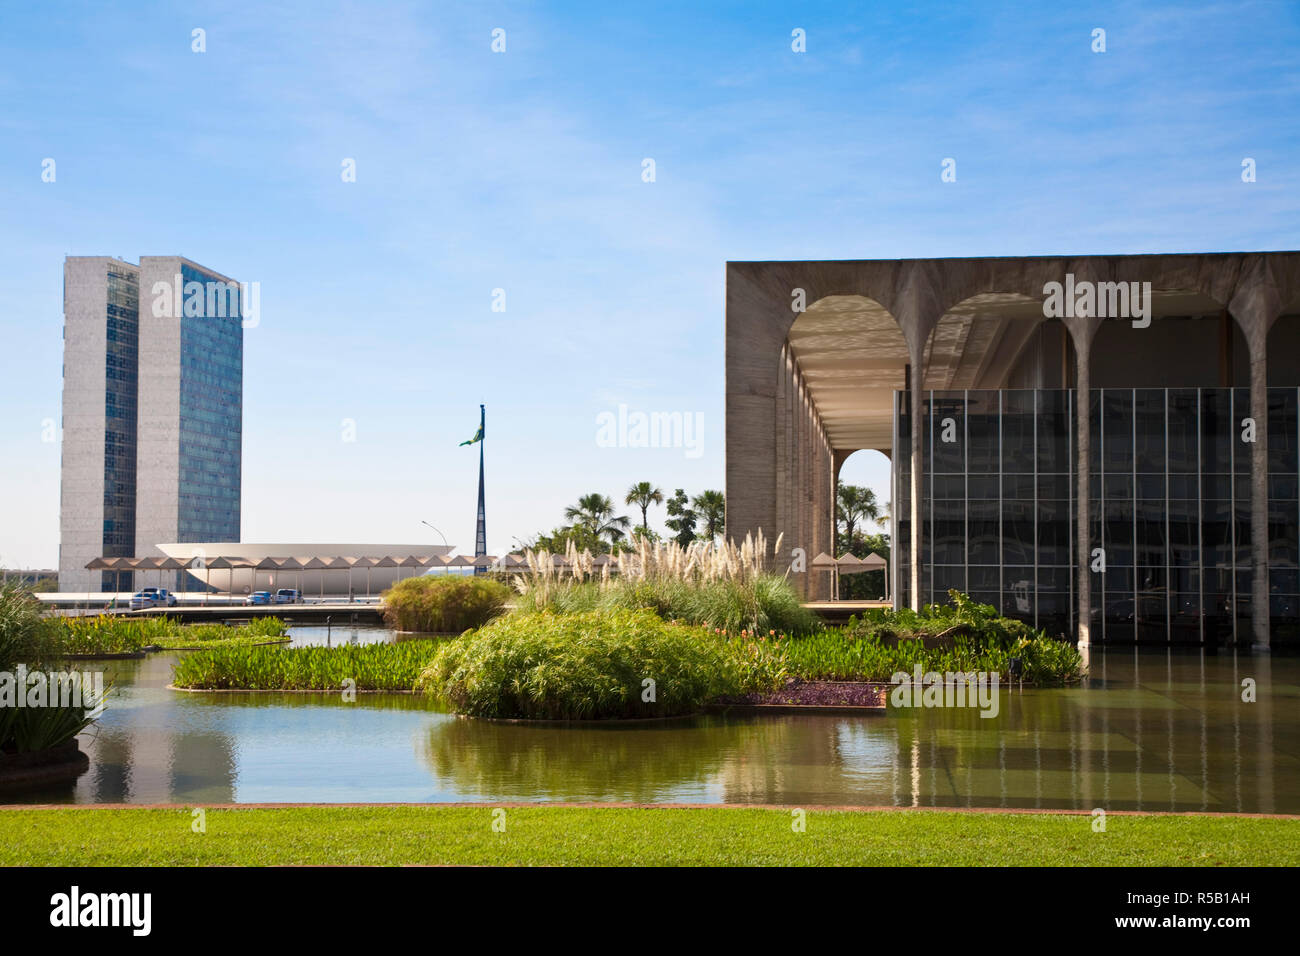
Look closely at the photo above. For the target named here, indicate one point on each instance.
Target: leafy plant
(20, 626)
(24, 639)
(117, 634)
(389, 667)
(960, 636)
(26, 729)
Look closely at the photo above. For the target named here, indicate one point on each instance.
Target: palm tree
(855, 505)
(643, 495)
(682, 520)
(595, 513)
(711, 506)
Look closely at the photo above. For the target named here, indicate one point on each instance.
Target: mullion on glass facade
(1169, 497)
(1283, 546)
(1242, 567)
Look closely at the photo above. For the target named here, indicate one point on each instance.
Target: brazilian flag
(478, 437)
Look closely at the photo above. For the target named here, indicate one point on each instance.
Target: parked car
(258, 597)
(152, 597)
(288, 596)
(141, 600)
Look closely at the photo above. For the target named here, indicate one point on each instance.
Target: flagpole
(480, 535)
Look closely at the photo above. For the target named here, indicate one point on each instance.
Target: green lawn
(76, 836)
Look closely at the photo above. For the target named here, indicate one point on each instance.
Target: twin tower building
(153, 370)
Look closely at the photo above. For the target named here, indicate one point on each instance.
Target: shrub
(443, 603)
(592, 665)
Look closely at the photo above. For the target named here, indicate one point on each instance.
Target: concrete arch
(844, 454)
(977, 341)
(852, 355)
(882, 485)
(843, 358)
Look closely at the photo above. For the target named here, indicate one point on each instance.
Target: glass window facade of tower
(211, 415)
(122, 322)
(1169, 500)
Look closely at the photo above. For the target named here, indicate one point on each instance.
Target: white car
(288, 596)
(152, 597)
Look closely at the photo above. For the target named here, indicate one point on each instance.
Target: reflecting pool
(1149, 730)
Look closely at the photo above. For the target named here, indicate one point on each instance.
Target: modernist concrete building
(152, 411)
(971, 374)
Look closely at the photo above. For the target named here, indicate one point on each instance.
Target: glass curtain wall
(121, 379)
(1170, 509)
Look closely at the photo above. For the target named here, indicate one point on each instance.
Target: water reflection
(334, 635)
(1149, 730)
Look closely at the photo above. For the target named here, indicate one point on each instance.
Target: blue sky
(522, 171)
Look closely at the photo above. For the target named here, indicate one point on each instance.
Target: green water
(1148, 730)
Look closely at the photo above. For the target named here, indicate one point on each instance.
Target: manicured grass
(372, 667)
(73, 836)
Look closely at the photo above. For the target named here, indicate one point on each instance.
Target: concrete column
(825, 497)
(1256, 305)
(915, 399)
(791, 464)
(1082, 331)
(801, 491)
(1259, 611)
(1083, 458)
(782, 477)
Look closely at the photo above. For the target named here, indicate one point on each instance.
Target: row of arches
(851, 352)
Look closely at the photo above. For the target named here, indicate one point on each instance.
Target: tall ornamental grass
(594, 665)
(727, 586)
(445, 604)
